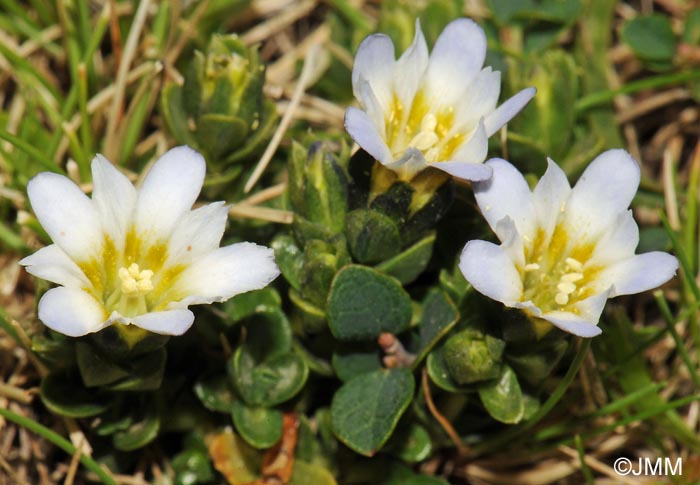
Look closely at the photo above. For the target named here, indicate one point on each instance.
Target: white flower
(564, 251)
(137, 257)
(436, 110)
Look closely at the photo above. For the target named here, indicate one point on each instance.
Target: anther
(532, 267)
(571, 277)
(574, 264)
(561, 298)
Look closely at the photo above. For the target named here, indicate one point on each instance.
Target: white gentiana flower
(564, 251)
(137, 257)
(436, 110)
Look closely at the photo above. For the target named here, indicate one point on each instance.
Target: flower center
(135, 281)
(423, 129)
(554, 275)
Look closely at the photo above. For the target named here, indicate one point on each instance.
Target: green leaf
(145, 373)
(309, 474)
(268, 334)
(438, 372)
(372, 236)
(353, 359)
(411, 443)
(216, 393)
(257, 301)
(260, 427)
(503, 398)
(409, 264)
(63, 393)
(363, 303)
(94, 369)
(366, 409)
(141, 432)
(192, 467)
(650, 37)
(691, 31)
(290, 259)
(220, 134)
(438, 316)
(313, 318)
(270, 382)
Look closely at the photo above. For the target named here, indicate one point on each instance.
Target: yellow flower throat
(555, 275)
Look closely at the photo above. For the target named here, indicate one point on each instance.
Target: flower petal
(572, 323)
(491, 272)
(67, 215)
(505, 112)
(474, 149)
(409, 69)
(374, 64)
(584, 322)
(618, 242)
(506, 193)
(365, 134)
(475, 172)
(409, 165)
(169, 190)
(477, 100)
(114, 197)
(168, 322)
(226, 272)
(457, 57)
(549, 197)
(72, 312)
(639, 273)
(374, 109)
(198, 232)
(604, 191)
(51, 263)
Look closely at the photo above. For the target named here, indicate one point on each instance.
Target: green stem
(59, 441)
(663, 80)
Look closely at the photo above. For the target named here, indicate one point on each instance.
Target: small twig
(446, 425)
(597, 465)
(15, 393)
(306, 72)
(275, 24)
(188, 30)
(262, 213)
(265, 194)
(116, 109)
(670, 158)
(396, 354)
(73, 468)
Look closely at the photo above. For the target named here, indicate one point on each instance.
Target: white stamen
(571, 277)
(566, 287)
(532, 267)
(134, 280)
(574, 264)
(561, 299)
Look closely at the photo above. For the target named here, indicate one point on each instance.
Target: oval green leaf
(64, 394)
(650, 37)
(366, 409)
(260, 427)
(503, 398)
(372, 236)
(268, 383)
(363, 303)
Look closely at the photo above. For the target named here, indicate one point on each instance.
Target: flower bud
(220, 109)
(472, 356)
